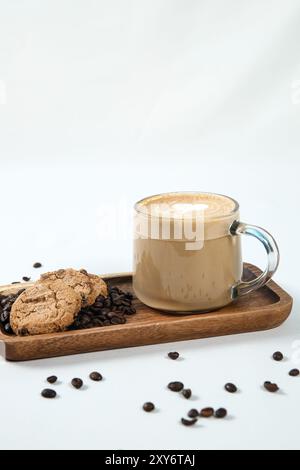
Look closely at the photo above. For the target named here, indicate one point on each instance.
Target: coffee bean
(8, 329)
(188, 422)
(4, 316)
(37, 265)
(294, 372)
(107, 302)
(173, 355)
(207, 412)
(187, 393)
(221, 413)
(95, 376)
(115, 321)
(278, 356)
(16, 282)
(77, 383)
(176, 386)
(26, 279)
(193, 413)
(148, 407)
(231, 388)
(94, 309)
(271, 387)
(52, 379)
(48, 393)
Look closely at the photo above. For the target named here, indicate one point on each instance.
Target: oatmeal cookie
(45, 308)
(87, 285)
(99, 286)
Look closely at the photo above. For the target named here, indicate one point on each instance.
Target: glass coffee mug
(187, 252)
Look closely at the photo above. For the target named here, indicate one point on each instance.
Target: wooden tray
(264, 309)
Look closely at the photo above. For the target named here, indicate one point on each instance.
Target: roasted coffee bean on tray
(271, 387)
(6, 302)
(148, 407)
(175, 386)
(52, 379)
(48, 393)
(231, 388)
(173, 355)
(278, 356)
(294, 372)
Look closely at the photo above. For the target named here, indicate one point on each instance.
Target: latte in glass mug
(187, 252)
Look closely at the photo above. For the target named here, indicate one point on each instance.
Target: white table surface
(122, 103)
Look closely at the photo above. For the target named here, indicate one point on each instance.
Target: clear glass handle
(239, 228)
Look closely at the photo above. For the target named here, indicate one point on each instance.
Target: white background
(102, 103)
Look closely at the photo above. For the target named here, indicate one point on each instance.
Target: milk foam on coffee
(176, 206)
(210, 210)
(169, 276)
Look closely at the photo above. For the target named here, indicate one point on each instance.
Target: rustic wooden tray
(264, 309)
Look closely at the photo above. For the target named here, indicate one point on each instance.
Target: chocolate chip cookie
(87, 285)
(45, 308)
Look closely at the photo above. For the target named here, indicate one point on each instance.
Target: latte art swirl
(181, 205)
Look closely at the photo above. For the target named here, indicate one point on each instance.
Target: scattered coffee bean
(95, 376)
(52, 379)
(231, 388)
(48, 393)
(221, 413)
(294, 372)
(16, 282)
(173, 355)
(37, 265)
(207, 412)
(77, 383)
(148, 407)
(176, 386)
(26, 279)
(188, 422)
(278, 356)
(187, 393)
(193, 413)
(271, 387)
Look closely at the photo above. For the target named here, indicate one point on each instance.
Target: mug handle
(243, 287)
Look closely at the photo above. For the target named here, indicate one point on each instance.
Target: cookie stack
(52, 304)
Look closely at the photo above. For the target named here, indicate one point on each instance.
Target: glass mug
(187, 252)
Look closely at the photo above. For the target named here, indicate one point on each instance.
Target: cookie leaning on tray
(53, 302)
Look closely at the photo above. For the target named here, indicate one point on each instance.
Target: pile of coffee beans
(110, 310)
(106, 311)
(6, 302)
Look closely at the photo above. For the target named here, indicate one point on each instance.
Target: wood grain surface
(264, 309)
